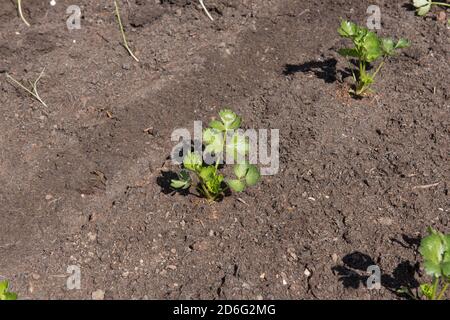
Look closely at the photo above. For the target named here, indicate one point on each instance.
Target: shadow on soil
(325, 70)
(353, 273)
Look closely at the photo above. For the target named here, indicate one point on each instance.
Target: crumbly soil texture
(84, 181)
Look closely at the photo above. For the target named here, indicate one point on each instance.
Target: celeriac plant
(4, 294)
(424, 6)
(221, 136)
(435, 251)
(368, 48)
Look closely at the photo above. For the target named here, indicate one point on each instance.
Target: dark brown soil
(81, 183)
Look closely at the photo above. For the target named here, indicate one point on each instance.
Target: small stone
(98, 295)
(35, 276)
(307, 273)
(171, 267)
(48, 197)
(334, 257)
(385, 221)
(126, 66)
(92, 236)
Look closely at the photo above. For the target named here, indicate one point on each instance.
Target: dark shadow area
(409, 6)
(353, 274)
(408, 242)
(164, 182)
(325, 70)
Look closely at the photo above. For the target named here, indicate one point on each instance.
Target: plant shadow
(353, 274)
(325, 70)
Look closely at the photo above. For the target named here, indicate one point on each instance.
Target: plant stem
(206, 10)
(441, 4)
(440, 295)
(125, 42)
(378, 69)
(19, 6)
(32, 92)
(435, 285)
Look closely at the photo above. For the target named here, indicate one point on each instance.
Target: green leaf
(240, 170)
(193, 161)
(207, 173)
(371, 44)
(215, 124)
(227, 116)
(236, 185)
(213, 139)
(422, 6)
(237, 145)
(387, 45)
(3, 286)
(427, 290)
(348, 29)
(446, 269)
(402, 43)
(235, 124)
(433, 249)
(253, 175)
(183, 183)
(9, 296)
(348, 52)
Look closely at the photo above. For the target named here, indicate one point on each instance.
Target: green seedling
(33, 90)
(218, 138)
(206, 10)
(424, 6)
(122, 31)
(435, 251)
(368, 48)
(19, 8)
(4, 294)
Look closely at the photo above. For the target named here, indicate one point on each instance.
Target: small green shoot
(4, 294)
(368, 48)
(435, 251)
(424, 6)
(33, 90)
(122, 31)
(19, 7)
(206, 10)
(220, 136)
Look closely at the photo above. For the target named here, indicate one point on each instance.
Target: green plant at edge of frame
(4, 294)
(424, 6)
(220, 136)
(368, 48)
(122, 31)
(435, 251)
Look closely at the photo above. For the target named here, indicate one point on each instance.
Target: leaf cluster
(221, 136)
(367, 48)
(4, 294)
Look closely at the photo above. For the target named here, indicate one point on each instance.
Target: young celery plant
(435, 251)
(4, 293)
(220, 136)
(424, 6)
(368, 48)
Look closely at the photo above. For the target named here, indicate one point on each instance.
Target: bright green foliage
(424, 6)
(4, 294)
(368, 48)
(435, 250)
(221, 136)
